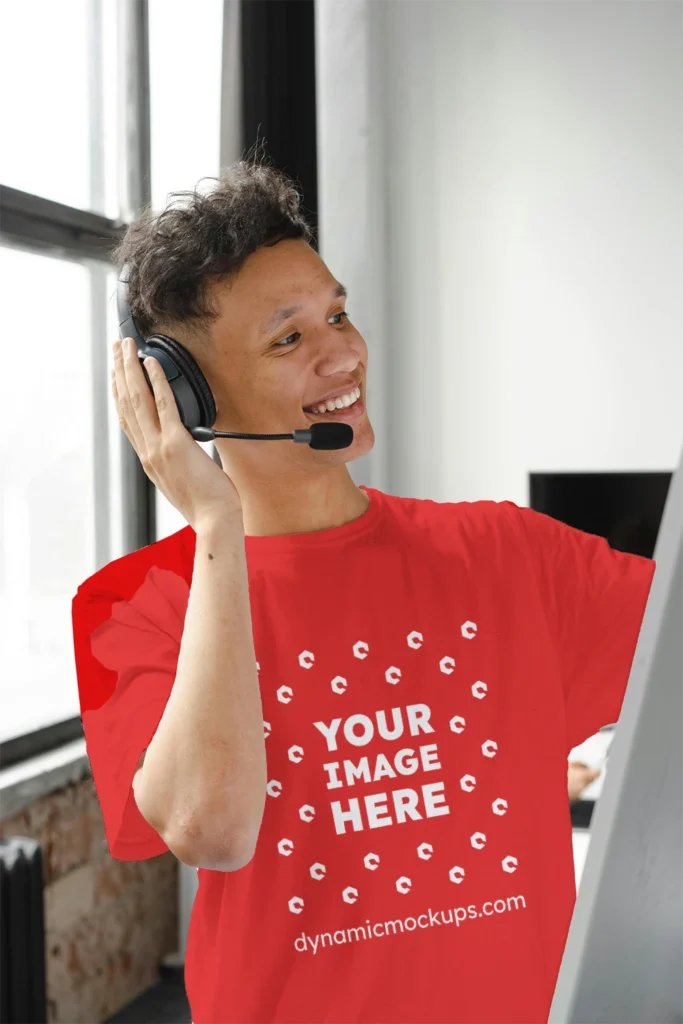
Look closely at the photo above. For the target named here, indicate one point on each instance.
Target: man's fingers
(143, 408)
(124, 406)
(148, 412)
(588, 775)
(166, 406)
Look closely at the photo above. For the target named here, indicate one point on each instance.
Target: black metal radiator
(22, 933)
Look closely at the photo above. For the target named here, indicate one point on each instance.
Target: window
(185, 115)
(74, 135)
(48, 541)
(58, 115)
(185, 94)
(61, 444)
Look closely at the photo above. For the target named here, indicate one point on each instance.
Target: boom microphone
(322, 436)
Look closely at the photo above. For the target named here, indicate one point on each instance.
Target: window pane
(185, 105)
(47, 543)
(190, 97)
(57, 122)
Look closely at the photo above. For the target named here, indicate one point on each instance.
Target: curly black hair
(200, 238)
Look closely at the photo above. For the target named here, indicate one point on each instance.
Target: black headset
(196, 405)
(195, 402)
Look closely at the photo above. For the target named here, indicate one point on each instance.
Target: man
(351, 712)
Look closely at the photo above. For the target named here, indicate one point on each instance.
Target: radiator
(22, 933)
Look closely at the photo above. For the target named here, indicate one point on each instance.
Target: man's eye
(285, 342)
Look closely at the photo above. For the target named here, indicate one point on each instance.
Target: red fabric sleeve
(127, 627)
(594, 598)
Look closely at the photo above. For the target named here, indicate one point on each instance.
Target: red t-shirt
(424, 672)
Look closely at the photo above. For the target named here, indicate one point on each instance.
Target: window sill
(37, 777)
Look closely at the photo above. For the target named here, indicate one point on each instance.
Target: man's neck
(304, 504)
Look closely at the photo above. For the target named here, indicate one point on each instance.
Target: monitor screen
(624, 508)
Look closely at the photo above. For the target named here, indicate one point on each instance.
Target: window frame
(45, 227)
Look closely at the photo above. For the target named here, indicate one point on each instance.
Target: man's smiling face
(282, 345)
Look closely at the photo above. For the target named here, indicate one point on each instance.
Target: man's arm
(201, 782)
(136, 777)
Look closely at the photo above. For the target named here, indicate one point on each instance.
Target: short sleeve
(594, 598)
(126, 652)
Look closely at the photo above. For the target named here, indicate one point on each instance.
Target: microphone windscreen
(327, 436)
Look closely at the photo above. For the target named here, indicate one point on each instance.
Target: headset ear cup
(189, 385)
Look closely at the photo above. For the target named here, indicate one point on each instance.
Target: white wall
(351, 187)
(519, 167)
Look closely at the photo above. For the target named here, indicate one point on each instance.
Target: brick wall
(108, 923)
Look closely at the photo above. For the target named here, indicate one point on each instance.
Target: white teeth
(343, 402)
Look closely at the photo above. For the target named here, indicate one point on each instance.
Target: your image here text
(375, 810)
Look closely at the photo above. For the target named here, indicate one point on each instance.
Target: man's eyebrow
(280, 315)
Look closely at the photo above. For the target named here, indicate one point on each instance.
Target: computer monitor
(624, 950)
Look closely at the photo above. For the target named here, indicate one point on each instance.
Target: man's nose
(337, 355)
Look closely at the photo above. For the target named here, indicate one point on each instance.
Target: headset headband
(127, 325)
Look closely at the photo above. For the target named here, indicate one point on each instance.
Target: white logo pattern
(339, 684)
